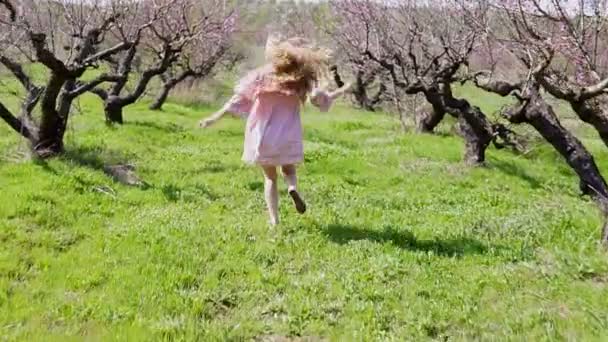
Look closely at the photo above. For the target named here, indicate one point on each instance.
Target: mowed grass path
(402, 241)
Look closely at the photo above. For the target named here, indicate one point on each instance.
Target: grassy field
(402, 241)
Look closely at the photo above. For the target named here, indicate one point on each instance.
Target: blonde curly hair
(297, 64)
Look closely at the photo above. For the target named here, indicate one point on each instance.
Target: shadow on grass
(97, 159)
(166, 128)
(175, 193)
(213, 168)
(85, 156)
(255, 186)
(343, 234)
(516, 171)
(45, 166)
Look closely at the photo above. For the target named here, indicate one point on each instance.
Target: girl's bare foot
(298, 201)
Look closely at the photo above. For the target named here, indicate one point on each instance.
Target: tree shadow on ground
(112, 163)
(516, 171)
(343, 234)
(45, 166)
(212, 168)
(166, 128)
(85, 156)
(176, 193)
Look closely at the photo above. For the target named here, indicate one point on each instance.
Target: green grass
(402, 241)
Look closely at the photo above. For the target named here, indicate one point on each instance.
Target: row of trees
(58, 50)
(529, 47)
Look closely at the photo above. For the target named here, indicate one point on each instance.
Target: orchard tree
(423, 47)
(170, 26)
(369, 86)
(577, 32)
(520, 24)
(209, 48)
(66, 39)
(369, 89)
(316, 22)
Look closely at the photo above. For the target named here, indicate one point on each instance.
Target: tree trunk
(113, 112)
(474, 145)
(595, 113)
(477, 139)
(428, 118)
(474, 127)
(49, 141)
(16, 124)
(160, 99)
(360, 93)
(540, 115)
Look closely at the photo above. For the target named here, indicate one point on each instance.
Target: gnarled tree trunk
(113, 112)
(590, 105)
(168, 83)
(594, 112)
(49, 140)
(160, 98)
(428, 118)
(534, 110)
(540, 115)
(474, 127)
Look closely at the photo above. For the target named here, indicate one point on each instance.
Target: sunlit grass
(402, 241)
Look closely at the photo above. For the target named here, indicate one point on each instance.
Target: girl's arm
(323, 99)
(236, 105)
(339, 92)
(204, 123)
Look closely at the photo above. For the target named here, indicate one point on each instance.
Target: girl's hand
(339, 92)
(206, 123)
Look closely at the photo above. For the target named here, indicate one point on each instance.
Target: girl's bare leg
(289, 172)
(271, 193)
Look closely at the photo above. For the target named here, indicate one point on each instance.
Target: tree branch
(16, 124)
(337, 77)
(502, 88)
(102, 94)
(168, 58)
(11, 9)
(594, 90)
(106, 53)
(83, 87)
(44, 55)
(17, 70)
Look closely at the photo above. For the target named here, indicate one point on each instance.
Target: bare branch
(17, 70)
(16, 124)
(83, 87)
(10, 8)
(594, 90)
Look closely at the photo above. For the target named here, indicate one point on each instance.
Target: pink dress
(273, 134)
